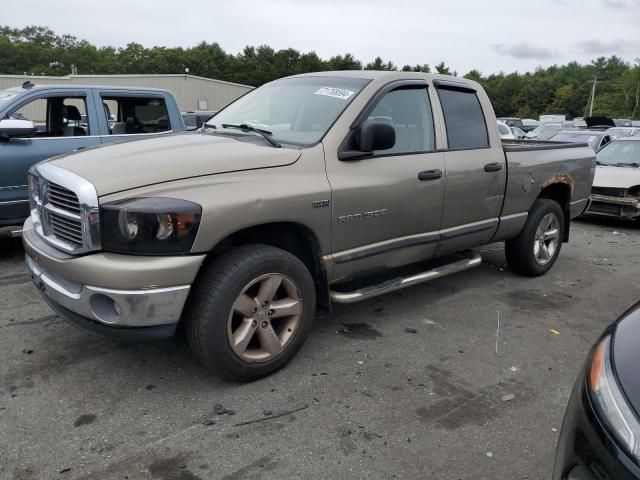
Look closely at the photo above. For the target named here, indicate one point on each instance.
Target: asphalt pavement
(416, 384)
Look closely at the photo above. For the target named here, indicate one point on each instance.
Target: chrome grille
(63, 198)
(64, 209)
(70, 230)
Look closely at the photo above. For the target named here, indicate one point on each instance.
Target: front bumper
(614, 207)
(585, 450)
(111, 295)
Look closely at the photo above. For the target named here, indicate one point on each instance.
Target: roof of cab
(35, 87)
(386, 76)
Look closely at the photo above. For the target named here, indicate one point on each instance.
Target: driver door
(386, 208)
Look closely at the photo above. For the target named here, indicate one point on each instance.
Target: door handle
(430, 175)
(493, 167)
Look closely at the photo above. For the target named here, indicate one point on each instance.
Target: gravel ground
(408, 385)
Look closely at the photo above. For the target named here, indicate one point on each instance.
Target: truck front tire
(534, 251)
(250, 311)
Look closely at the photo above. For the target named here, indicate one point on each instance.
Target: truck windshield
(296, 111)
(621, 153)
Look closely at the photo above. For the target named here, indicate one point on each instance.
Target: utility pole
(593, 96)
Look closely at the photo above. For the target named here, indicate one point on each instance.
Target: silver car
(616, 186)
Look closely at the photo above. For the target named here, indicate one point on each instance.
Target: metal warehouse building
(192, 93)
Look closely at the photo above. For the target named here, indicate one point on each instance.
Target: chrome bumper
(115, 308)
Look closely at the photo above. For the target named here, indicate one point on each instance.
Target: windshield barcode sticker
(334, 92)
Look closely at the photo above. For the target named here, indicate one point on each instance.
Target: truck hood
(616, 177)
(123, 166)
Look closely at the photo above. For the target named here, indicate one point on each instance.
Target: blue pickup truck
(41, 121)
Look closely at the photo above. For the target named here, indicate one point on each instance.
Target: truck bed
(532, 165)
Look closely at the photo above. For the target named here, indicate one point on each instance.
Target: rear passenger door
(476, 169)
(127, 116)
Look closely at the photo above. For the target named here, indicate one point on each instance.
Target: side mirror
(10, 128)
(372, 135)
(376, 135)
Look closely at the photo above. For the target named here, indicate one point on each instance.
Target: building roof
(34, 78)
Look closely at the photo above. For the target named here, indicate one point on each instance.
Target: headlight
(149, 226)
(611, 402)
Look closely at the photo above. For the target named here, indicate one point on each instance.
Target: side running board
(470, 260)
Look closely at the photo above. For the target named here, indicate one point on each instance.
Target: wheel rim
(264, 318)
(547, 239)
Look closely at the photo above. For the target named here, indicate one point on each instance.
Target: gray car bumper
(109, 307)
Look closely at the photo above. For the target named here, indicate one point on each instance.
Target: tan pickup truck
(309, 190)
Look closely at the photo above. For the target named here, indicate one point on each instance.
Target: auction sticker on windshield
(334, 92)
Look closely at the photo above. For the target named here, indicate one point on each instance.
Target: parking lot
(416, 384)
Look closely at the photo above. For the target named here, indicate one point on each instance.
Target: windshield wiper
(633, 164)
(266, 134)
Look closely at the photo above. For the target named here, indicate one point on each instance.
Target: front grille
(605, 209)
(609, 191)
(70, 230)
(64, 209)
(63, 198)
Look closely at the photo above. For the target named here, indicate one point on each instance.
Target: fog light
(105, 309)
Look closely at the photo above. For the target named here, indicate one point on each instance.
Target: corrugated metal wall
(192, 93)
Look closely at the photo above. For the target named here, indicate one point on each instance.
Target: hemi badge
(320, 203)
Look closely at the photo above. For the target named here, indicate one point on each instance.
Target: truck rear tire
(536, 249)
(250, 311)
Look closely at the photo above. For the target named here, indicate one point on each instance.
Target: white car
(505, 131)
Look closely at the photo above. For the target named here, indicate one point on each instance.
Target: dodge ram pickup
(41, 121)
(310, 190)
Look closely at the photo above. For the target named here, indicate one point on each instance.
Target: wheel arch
(560, 192)
(293, 237)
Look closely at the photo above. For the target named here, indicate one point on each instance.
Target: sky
(488, 35)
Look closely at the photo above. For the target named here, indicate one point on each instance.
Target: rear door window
(464, 119)
(136, 115)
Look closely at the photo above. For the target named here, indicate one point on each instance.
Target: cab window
(409, 111)
(136, 115)
(463, 118)
(56, 116)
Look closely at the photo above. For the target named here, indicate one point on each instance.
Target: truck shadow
(10, 248)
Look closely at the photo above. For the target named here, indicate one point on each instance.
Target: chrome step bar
(472, 259)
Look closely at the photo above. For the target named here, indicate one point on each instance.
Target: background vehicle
(243, 230)
(518, 134)
(599, 437)
(623, 122)
(67, 118)
(545, 132)
(505, 131)
(616, 186)
(552, 118)
(529, 124)
(620, 132)
(194, 120)
(512, 121)
(595, 138)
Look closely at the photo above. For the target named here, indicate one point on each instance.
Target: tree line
(557, 89)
